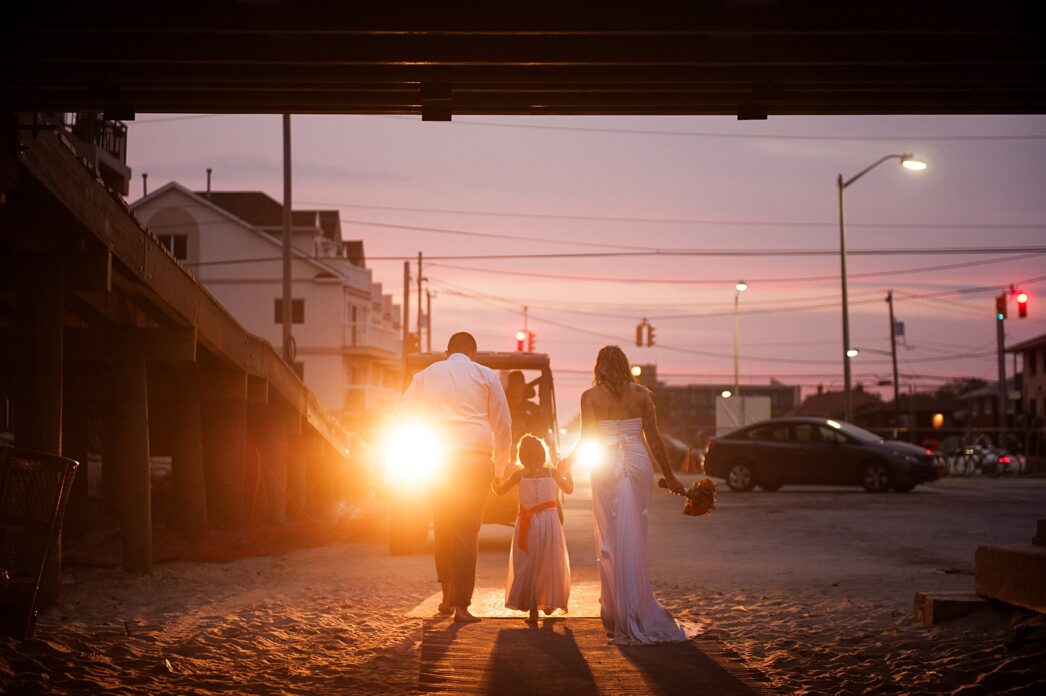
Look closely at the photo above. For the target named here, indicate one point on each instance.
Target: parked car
(809, 450)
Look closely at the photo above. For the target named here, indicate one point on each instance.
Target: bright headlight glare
(411, 453)
(589, 455)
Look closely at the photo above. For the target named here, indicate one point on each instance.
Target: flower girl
(538, 567)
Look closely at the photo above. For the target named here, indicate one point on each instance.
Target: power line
(731, 281)
(931, 251)
(736, 136)
(681, 221)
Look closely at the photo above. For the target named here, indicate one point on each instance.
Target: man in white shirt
(466, 400)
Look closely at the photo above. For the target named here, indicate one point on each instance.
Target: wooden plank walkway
(571, 656)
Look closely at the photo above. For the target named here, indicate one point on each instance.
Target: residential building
(1033, 396)
(688, 411)
(346, 329)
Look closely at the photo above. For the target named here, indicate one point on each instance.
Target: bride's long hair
(613, 370)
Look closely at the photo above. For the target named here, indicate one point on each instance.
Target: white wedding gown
(622, 484)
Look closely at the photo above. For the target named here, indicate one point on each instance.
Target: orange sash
(525, 514)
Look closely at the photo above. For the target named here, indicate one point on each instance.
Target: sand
(813, 615)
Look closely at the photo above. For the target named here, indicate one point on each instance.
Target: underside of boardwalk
(107, 344)
(572, 657)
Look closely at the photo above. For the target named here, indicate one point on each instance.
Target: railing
(367, 397)
(363, 335)
(110, 136)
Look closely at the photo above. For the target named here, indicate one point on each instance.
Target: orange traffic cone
(688, 461)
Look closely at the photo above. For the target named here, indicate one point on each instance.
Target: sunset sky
(620, 184)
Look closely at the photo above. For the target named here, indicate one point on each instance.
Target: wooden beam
(187, 453)
(257, 390)
(89, 269)
(223, 385)
(132, 451)
(160, 345)
(38, 378)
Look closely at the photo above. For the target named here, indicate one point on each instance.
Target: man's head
(515, 389)
(462, 342)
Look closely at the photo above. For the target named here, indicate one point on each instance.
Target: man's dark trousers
(458, 499)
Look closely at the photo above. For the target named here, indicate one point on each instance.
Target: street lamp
(908, 161)
(740, 287)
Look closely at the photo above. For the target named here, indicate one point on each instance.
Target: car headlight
(589, 455)
(412, 453)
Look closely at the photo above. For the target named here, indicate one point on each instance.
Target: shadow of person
(682, 668)
(527, 660)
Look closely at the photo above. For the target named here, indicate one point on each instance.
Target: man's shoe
(462, 615)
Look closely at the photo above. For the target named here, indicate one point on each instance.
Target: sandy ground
(813, 587)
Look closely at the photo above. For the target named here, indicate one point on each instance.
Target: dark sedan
(780, 451)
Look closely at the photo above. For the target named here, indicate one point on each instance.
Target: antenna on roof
(208, 182)
(145, 184)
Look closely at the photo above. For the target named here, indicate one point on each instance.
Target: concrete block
(932, 608)
(1040, 533)
(1012, 574)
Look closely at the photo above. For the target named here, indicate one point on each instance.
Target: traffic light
(1000, 306)
(649, 335)
(639, 333)
(520, 337)
(1022, 304)
(530, 341)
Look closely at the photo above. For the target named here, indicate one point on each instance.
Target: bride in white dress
(620, 414)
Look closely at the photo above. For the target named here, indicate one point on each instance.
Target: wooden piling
(76, 436)
(131, 440)
(224, 453)
(38, 379)
(187, 452)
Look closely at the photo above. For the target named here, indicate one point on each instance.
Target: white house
(346, 330)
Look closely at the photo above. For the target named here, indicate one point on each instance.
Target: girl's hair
(613, 370)
(532, 449)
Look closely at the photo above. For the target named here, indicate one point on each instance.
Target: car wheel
(740, 477)
(770, 486)
(875, 477)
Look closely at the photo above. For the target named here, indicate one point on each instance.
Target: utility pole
(893, 358)
(526, 330)
(406, 316)
(428, 320)
(1000, 412)
(288, 339)
(420, 306)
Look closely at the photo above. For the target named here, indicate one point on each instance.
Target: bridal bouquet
(700, 498)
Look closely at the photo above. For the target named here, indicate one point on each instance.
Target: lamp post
(739, 288)
(908, 161)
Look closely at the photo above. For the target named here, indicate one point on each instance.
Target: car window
(832, 435)
(769, 432)
(805, 432)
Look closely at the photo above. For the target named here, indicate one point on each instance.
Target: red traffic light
(1022, 304)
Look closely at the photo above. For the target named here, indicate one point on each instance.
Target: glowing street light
(910, 162)
(726, 394)
(852, 353)
(741, 286)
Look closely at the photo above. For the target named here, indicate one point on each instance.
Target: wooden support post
(38, 379)
(187, 452)
(301, 451)
(268, 432)
(225, 457)
(131, 420)
(110, 461)
(76, 437)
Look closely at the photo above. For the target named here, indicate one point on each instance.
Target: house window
(1031, 362)
(177, 244)
(297, 311)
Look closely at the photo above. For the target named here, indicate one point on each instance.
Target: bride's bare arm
(657, 445)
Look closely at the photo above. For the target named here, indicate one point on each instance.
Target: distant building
(102, 143)
(346, 329)
(688, 412)
(1033, 395)
(832, 404)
